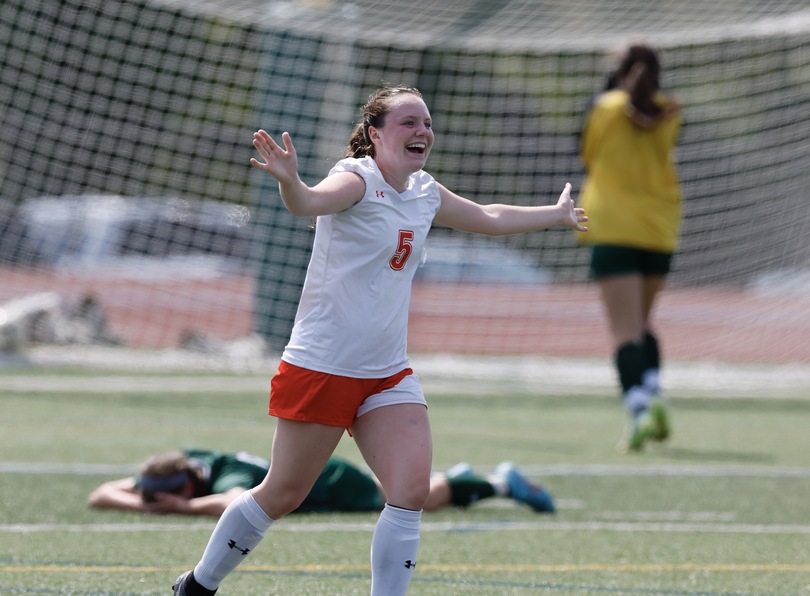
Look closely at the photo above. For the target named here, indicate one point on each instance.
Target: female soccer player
(633, 198)
(346, 366)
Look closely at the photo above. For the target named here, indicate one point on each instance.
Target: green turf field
(722, 509)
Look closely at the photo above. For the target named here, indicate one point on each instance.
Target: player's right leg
(396, 444)
(300, 451)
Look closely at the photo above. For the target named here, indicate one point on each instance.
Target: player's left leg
(653, 284)
(623, 297)
(396, 444)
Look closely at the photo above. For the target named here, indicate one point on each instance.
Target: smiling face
(402, 144)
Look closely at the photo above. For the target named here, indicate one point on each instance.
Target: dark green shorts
(608, 260)
(343, 487)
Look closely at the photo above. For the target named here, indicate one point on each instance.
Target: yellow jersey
(631, 191)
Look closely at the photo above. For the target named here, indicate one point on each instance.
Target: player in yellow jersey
(633, 198)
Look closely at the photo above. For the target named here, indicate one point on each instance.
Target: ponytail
(359, 144)
(374, 112)
(638, 73)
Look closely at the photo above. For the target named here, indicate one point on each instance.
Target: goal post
(158, 99)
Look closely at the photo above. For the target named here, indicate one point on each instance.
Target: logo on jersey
(232, 546)
(380, 194)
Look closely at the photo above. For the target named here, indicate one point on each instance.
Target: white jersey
(352, 319)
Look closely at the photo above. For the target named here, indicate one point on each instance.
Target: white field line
(428, 526)
(440, 374)
(132, 384)
(653, 521)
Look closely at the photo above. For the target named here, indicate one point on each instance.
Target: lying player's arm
(116, 494)
(210, 505)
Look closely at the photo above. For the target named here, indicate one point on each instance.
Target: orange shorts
(309, 396)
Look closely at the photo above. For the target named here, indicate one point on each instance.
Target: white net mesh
(138, 116)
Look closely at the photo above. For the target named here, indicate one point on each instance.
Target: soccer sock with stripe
(393, 550)
(238, 531)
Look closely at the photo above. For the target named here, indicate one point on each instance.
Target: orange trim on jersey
(309, 396)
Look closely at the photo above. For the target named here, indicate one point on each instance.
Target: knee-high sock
(652, 363)
(238, 531)
(652, 351)
(630, 365)
(393, 550)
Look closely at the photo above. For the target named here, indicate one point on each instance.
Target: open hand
(281, 163)
(167, 503)
(573, 217)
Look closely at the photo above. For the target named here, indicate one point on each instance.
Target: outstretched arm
(334, 193)
(499, 219)
(116, 494)
(210, 505)
(122, 495)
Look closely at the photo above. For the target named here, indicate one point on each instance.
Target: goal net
(130, 216)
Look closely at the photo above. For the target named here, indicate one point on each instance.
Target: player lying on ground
(202, 482)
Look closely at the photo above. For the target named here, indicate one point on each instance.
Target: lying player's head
(167, 473)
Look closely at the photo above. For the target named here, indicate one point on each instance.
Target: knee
(276, 502)
(409, 494)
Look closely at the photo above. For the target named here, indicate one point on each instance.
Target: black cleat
(185, 585)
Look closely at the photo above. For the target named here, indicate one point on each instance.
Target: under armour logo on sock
(410, 564)
(244, 551)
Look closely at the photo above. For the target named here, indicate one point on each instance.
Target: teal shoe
(524, 491)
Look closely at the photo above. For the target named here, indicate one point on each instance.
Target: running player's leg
(622, 298)
(653, 285)
(651, 288)
(396, 444)
(300, 451)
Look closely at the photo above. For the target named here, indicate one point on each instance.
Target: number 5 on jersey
(404, 250)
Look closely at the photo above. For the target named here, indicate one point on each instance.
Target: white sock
(393, 550)
(636, 399)
(238, 531)
(652, 381)
(499, 484)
